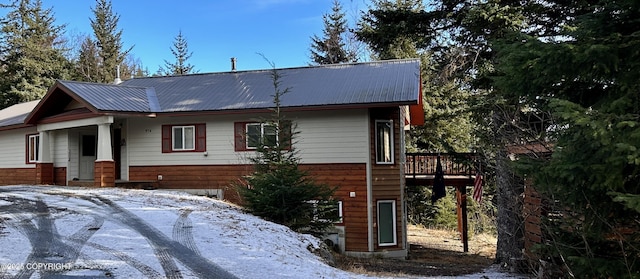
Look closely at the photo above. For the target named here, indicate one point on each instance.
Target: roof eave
(36, 113)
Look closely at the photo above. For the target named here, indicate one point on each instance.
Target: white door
(88, 157)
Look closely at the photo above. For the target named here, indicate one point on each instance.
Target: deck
(459, 169)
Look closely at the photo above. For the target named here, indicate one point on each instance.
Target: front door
(88, 156)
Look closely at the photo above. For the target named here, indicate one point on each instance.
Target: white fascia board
(107, 119)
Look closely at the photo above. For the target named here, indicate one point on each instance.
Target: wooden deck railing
(419, 164)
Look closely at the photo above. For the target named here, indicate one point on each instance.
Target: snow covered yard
(61, 232)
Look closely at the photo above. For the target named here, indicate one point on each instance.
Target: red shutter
(287, 131)
(240, 134)
(201, 137)
(166, 139)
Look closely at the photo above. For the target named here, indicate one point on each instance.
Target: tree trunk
(510, 190)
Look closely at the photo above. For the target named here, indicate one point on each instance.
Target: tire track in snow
(183, 231)
(199, 265)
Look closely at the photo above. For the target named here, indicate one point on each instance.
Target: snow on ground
(118, 233)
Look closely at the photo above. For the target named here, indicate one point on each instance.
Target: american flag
(477, 188)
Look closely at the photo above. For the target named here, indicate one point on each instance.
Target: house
(193, 133)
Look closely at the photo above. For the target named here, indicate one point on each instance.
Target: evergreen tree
(31, 52)
(88, 61)
(459, 102)
(109, 41)
(331, 48)
(278, 190)
(180, 51)
(396, 30)
(584, 70)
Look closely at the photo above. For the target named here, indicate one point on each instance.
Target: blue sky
(215, 30)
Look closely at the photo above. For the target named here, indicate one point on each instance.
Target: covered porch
(87, 156)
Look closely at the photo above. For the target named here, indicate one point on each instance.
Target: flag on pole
(477, 188)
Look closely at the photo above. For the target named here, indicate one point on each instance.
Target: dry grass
(432, 253)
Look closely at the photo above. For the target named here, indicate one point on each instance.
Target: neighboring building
(193, 132)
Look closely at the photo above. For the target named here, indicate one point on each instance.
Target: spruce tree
(584, 70)
(88, 61)
(180, 51)
(31, 52)
(109, 41)
(278, 190)
(331, 48)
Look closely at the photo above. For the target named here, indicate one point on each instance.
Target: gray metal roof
(384, 82)
(393, 81)
(109, 97)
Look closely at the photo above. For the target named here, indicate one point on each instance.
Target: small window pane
(177, 138)
(253, 135)
(384, 142)
(270, 135)
(189, 138)
(88, 145)
(34, 148)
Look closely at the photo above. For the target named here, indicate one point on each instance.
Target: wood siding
(60, 176)
(386, 179)
(14, 176)
(346, 177)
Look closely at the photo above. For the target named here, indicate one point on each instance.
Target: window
(332, 212)
(33, 148)
(250, 135)
(387, 223)
(261, 133)
(384, 141)
(184, 138)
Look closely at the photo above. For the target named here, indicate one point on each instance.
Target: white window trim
(391, 143)
(262, 125)
(393, 209)
(34, 152)
(193, 138)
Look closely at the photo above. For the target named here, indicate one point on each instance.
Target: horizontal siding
(13, 144)
(323, 137)
(60, 176)
(60, 143)
(15, 176)
(346, 177)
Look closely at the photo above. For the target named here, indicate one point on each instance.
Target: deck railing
(452, 163)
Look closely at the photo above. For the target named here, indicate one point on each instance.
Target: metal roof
(108, 97)
(393, 81)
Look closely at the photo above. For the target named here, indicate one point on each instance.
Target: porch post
(44, 166)
(104, 170)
